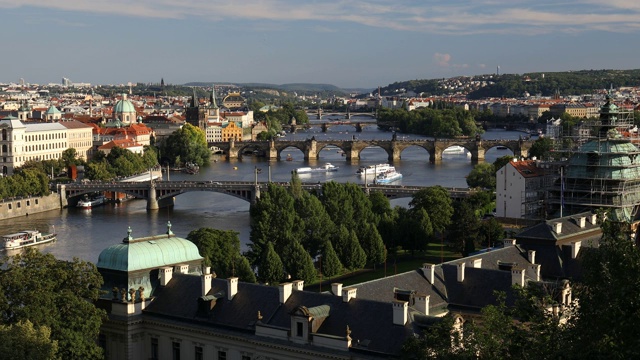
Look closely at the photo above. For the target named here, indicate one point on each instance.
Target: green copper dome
(124, 106)
(52, 110)
(148, 253)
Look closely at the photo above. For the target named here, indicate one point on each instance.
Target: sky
(347, 43)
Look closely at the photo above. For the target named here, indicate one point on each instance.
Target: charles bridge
(311, 148)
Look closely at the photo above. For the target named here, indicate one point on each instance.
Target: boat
(26, 238)
(325, 168)
(388, 176)
(373, 169)
(454, 150)
(191, 168)
(289, 158)
(502, 148)
(88, 203)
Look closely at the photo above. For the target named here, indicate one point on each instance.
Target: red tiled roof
(527, 168)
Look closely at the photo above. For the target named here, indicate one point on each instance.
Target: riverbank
(23, 206)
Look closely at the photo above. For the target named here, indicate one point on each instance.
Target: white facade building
(518, 190)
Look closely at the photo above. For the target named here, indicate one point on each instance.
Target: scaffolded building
(604, 173)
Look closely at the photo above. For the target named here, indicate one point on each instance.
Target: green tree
(491, 232)
(69, 157)
(98, 170)
(189, 143)
(56, 294)
(607, 316)
(244, 271)
(482, 176)
(501, 161)
(270, 269)
(373, 246)
(220, 249)
(298, 263)
(354, 256)
(436, 201)
(317, 226)
(463, 231)
(330, 264)
(541, 148)
(25, 341)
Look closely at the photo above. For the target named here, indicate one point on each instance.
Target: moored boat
(388, 176)
(26, 238)
(88, 203)
(328, 167)
(373, 169)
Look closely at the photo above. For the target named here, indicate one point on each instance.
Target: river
(84, 233)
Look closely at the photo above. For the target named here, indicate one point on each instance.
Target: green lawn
(404, 262)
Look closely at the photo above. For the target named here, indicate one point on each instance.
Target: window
(154, 348)
(176, 350)
(222, 355)
(199, 354)
(246, 357)
(299, 329)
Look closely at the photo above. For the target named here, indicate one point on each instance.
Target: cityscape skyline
(350, 44)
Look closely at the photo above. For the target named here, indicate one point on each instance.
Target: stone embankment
(24, 206)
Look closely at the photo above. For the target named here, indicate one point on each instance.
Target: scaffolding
(604, 172)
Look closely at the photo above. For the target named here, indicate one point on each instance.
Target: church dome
(124, 106)
(148, 253)
(52, 110)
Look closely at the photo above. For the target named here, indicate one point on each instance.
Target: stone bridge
(160, 194)
(311, 148)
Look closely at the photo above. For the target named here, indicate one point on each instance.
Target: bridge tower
(348, 116)
(319, 114)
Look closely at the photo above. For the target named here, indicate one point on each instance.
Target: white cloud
(456, 17)
(441, 59)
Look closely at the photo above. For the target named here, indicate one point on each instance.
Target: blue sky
(348, 43)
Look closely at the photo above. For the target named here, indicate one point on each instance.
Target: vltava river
(84, 233)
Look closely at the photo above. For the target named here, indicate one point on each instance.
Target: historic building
(124, 111)
(80, 137)
(21, 142)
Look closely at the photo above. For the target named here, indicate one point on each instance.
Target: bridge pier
(478, 154)
(233, 151)
(62, 191)
(311, 152)
(152, 201)
(272, 153)
(436, 156)
(255, 194)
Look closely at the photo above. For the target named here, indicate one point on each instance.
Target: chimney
(399, 312)
(575, 248)
(285, 291)
(557, 227)
(232, 287)
(298, 285)
(461, 272)
(531, 255)
(509, 242)
(165, 275)
(593, 219)
(206, 281)
(336, 289)
(533, 272)
(422, 303)
(475, 263)
(517, 277)
(429, 271)
(348, 294)
(182, 269)
(582, 222)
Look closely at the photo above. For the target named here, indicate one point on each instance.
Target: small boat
(88, 203)
(26, 238)
(328, 167)
(502, 148)
(373, 169)
(388, 176)
(191, 168)
(289, 158)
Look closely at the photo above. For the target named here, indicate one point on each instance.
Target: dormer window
(299, 329)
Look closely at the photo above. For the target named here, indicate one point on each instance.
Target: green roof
(123, 106)
(147, 253)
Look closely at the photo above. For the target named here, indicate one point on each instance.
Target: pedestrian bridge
(311, 148)
(161, 194)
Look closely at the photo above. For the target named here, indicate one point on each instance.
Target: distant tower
(498, 70)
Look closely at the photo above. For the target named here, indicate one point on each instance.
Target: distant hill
(300, 88)
(515, 85)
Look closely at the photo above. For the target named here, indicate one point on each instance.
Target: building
(233, 101)
(602, 173)
(21, 142)
(124, 111)
(231, 130)
(52, 114)
(520, 189)
(162, 303)
(80, 137)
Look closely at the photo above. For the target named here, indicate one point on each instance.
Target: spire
(193, 99)
(213, 104)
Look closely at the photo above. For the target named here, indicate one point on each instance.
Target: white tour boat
(26, 238)
(88, 203)
(388, 176)
(373, 169)
(454, 150)
(328, 167)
